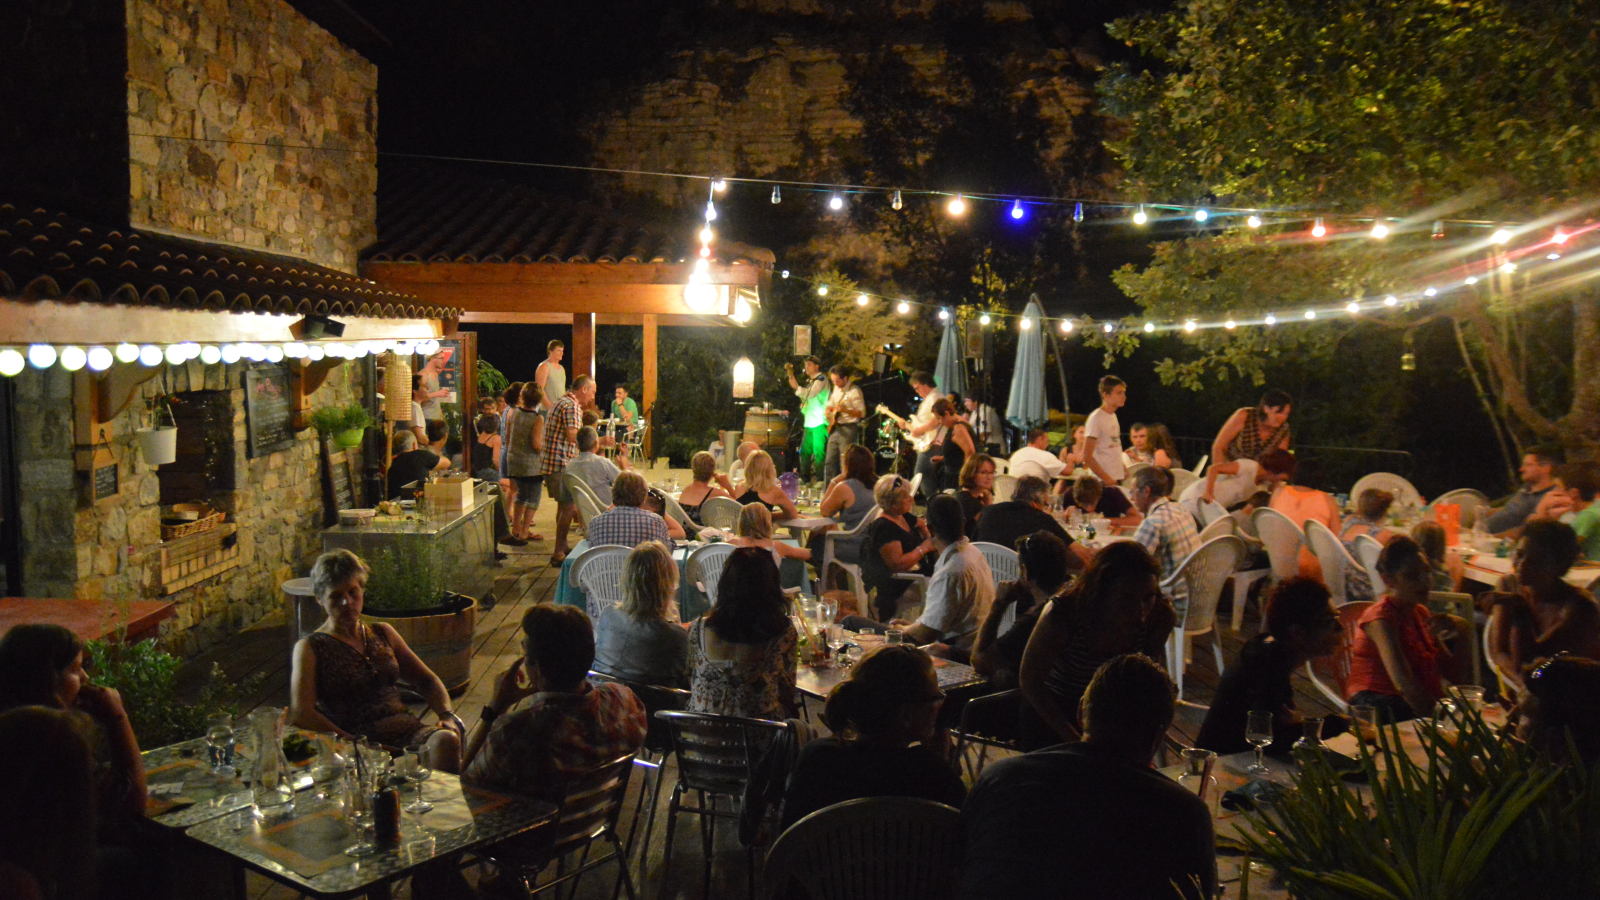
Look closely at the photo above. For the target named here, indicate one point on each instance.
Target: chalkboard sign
(339, 471)
(268, 410)
(105, 481)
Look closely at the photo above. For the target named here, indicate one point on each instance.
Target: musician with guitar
(813, 399)
(844, 411)
(922, 430)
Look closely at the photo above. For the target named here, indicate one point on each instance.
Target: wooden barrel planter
(441, 638)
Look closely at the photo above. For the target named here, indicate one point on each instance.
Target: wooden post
(582, 346)
(647, 401)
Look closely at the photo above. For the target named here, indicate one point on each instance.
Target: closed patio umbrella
(1026, 408)
(950, 372)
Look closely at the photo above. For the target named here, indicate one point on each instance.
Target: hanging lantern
(744, 379)
(1408, 359)
(396, 389)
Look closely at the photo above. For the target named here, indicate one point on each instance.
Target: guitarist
(922, 429)
(813, 396)
(843, 413)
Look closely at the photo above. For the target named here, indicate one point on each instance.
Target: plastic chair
(1460, 606)
(1472, 504)
(704, 568)
(589, 812)
(1336, 666)
(1405, 493)
(1199, 468)
(1283, 539)
(721, 512)
(1365, 548)
(1001, 465)
(987, 721)
(1004, 487)
(633, 442)
(830, 557)
(1181, 480)
(1335, 560)
(886, 848)
(1003, 561)
(598, 573)
(589, 506)
(1217, 528)
(1211, 511)
(1203, 573)
(717, 756)
(678, 514)
(916, 483)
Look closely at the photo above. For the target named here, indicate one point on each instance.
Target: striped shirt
(1169, 534)
(559, 449)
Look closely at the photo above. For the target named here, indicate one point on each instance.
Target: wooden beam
(561, 274)
(565, 318)
(648, 398)
(582, 346)
(617, 299)
(29, 321)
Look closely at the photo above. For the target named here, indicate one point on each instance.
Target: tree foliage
(1428, 109)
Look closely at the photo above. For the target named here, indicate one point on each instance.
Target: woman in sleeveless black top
(956, 443)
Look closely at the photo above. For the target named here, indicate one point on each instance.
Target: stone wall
(216, 79)
(111, 549)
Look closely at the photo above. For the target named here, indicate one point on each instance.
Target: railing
(1341, 466)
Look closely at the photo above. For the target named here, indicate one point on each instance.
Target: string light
(1149, 327)
(127, 352)
(1560, 237)
(1391, 300)
(1311, 314)
(785, 273)
(73, 358)
(1026, 324)
(1066, 326)
(1190, 325)
(957, 206)
(1553, 256)
(902, 307)
(777, 194)
(719, 185)
(1380, 231)
(983, 319)
(99, 359)
(706, 234)
(1472, 279)
(895, 200)
(836, 203)
(1230, 324)
(1200, 215)
(42, 356)
(1319, 229)
(1431, 292)
(822, 290)
(11, 362)
(211, 355)
(1017, 212)
(1501, 236)
(1438, 229)
(1253, 221)
(711, 211)
(862, 299)
(1077, 211)
(1140, 217)
(944, 314)
(1352, 307)
(1270, 319)
(1509, 267)
(1108, 328)
(150, 355)
(230, 353)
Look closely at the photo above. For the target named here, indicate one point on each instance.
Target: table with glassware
(1487, 568)
(692, 602)
(309, 824)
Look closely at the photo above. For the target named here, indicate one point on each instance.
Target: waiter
(813, 400)
(843, 413)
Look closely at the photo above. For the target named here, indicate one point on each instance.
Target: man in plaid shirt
(625, 523)
(1167, 531)
(560, 446)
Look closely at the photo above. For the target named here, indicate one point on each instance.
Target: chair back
(1283, 539)
(1211, 511)
(1130, 471)
(1204, 573)
(1472, 504)
(883, 848)
(1200, 467)
(1405, 493)
(1181, 480)
(1335, 667)
(717, 754)
(1365, 548)
(1001, 465)
(721, 512)
(1003, 561)
(992, 720)
(704, 568)
(677, 513)
(1335, 560)
(598, 573)
(590, 806)
(916, 482)
(1004, 487)
(657, 737)
(589, 505)
(1217, 528)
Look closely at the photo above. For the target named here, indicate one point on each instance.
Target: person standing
(550, 377)
(560, 446)
(844, 412)
(1253, 431)
(954, 444)
(429, 393)
(813, 396)
(986, 420)
(925, 430)
(525, 432)
(1102, 433)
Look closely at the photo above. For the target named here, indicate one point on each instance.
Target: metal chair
(987, 721)
(1335, 560)
(1472, 504)
(830, 557)
(1004, 487)
(1283, 539)
(1204, 573)
(598, 573)
(721, 513)
(633, 442)
(1336, 666)
(704, 568)
(717, 757)
(1405, 493)
(589, 812)
(589, 506)
(652, 756)
(884, 848)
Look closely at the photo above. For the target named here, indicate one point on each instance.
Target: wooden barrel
(766, 427)
(442, 642)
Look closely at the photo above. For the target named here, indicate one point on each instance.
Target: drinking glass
(835, 638)
(219, 745)
(361, 781)
(1470, 696)
(1365, 720)
(416, 771)
(1447, 720)
(1311, 735)
(1258, 733)
(894, 636)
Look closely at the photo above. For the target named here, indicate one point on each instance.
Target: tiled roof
(46, 255)
(435, 214)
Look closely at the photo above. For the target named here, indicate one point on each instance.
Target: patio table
(819, 681)
(692, 602)
(1488, 569)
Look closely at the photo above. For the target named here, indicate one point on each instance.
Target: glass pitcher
(1311, 738)
(271, 784)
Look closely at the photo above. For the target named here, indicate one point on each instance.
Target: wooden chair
(1335, 668)
(875, 848)
(1204, 573)
(598, 573)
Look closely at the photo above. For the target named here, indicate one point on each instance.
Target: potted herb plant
(345, 424)
(158, 442)
(409, 590)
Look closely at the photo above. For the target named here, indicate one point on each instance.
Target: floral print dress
(726, 687)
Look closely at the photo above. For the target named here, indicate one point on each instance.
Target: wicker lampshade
(396, 389)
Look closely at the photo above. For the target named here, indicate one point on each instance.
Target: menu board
(104, 481)
(268, 410)
(344, 497)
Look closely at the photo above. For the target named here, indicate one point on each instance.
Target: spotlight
(314, 328)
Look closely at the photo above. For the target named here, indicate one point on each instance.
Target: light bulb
(1509, 267)
(822, 290)
(785, 273)
(150, 355)
(711, 211)
(862, 299)
(1391, 300)
(742, 312)
(1352, 307)
(1108, 328)
(1472, 279)
(1560, 237)
(1501, 236)
(1230, 324)
(1553, 256)
(11, 362)
(1149, 327)
(958, 206)
(944, 315)
(1380, 231)
(297, 350)
(1311, 314)
(1438, 229)
(894, 202)
(176, 354)
(43, 356)
(1200, 215)
(777, 195)
(210, 355)
(1318, 229)
(1026, 324)
(73, 358)
(429, 347)
(1140, 217)
(1077, 211)
(706, 234)
(1190, 325)
(836, 202)
(315, 352)
(719, 185)
(1271, 319)
(1253, 221)
(1431, 292)
(1066, 326)
(127, 352)
(230, 353)
(1017, 212)
(275, 353)
(99, 359)
(902, 307)
(984, 319)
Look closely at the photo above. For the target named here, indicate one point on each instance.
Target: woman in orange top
(1394, 662)
(1301, 503)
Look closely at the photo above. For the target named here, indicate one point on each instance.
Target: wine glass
(219, 746)
(1258, 733)
(410, 766)
(835, 638)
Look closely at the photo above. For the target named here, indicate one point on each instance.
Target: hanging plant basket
(158, 445)
(348, 438)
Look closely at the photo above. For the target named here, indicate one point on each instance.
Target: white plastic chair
(598, 573)
(678, 514)
(1405, 493)
(1472, 503)
(1366, 550)
(1200, 467)
(1283, 539)
(1211, 511)
(588, 504)
(1335, 667)
(704, 568)
(1004, 487)
(1001, 465)
(1217, 528)
(1203, 573)
(916, 482)
(830, 557)
(721, 512)
(1006, 566)
(1136, 468)
(1181, 480)
(1335, 560)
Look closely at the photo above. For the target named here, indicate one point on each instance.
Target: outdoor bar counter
(457, 531)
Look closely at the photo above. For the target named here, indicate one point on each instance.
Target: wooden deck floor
(260, 652)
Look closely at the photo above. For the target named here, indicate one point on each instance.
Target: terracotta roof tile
(432, 213)
(47, 255)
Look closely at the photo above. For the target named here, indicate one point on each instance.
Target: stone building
(178, 172)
